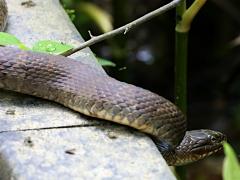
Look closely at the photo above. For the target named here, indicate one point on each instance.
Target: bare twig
(124, 29)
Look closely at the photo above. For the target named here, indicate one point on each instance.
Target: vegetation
(212, 48)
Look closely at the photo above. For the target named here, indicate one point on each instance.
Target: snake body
(83, 89)
(3, 14)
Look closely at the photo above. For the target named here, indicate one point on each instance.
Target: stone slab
(43, 140)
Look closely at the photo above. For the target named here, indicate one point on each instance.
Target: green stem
(188, 16)
(181, 42)
(183, 24)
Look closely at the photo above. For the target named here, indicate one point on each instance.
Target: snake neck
(3, 14)
(174, 156)
(168, 152)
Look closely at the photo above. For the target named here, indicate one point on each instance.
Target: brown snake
(83, 89)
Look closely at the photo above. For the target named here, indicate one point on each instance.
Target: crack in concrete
(55, 127)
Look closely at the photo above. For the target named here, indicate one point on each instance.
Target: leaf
(231, 167)
(9, 39)
(97, 14)
(51, 47)
(71, 13)
(105, 62)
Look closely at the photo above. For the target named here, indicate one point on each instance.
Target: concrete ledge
(43, 140)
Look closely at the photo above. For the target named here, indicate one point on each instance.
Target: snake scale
(83, 89)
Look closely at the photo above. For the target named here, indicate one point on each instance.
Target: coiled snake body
(83, 89)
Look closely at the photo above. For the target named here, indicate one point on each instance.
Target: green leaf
(231, 167)
(9, 39)
(105, 62)
(51, 47)
(101, 17)
(71, 13)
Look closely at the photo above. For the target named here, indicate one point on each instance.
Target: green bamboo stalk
(181, 42)
(183, 24)
(181, 50)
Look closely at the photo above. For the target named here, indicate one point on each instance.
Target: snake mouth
(207, 149)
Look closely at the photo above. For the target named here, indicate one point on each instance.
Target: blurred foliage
(105, 62)
(231, 167)
(8, 39)
(51, 47)
(145, 57)
(45, 46)
(100, 17)
(71, 13)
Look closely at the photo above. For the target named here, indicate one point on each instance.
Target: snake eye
(213, 139)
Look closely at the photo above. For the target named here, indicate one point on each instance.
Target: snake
(81, 88)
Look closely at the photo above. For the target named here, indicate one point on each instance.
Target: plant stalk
(181, 41)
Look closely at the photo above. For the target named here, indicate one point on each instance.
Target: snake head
(196, 145)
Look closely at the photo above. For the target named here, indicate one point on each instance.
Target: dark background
(145, 57)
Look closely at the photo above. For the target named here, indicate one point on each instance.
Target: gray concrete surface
(43, 140)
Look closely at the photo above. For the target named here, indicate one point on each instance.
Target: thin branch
(124, 29)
